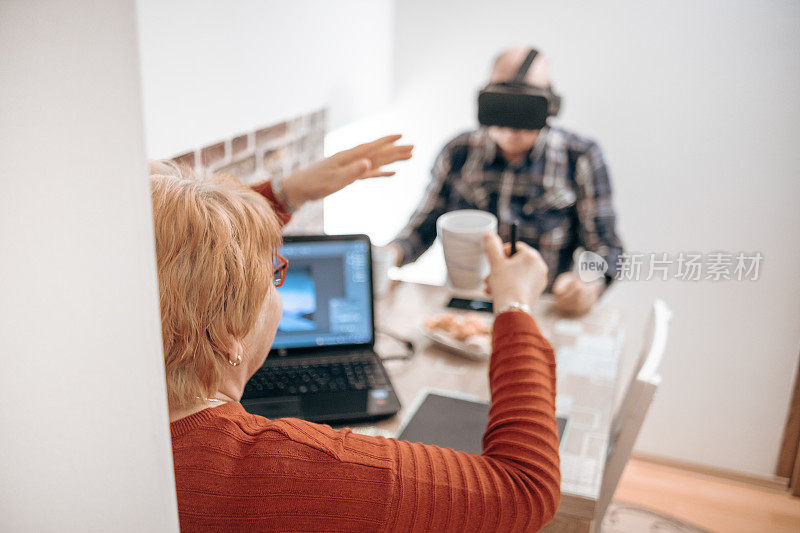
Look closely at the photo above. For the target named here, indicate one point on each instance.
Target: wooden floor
(708, 501)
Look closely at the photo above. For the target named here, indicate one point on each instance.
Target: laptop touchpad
(275, 407)
(334, 403)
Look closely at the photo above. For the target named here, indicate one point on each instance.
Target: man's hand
(573, 296)
(342, 169)
(520, 278)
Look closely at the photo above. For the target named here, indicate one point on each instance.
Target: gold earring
(238, 360)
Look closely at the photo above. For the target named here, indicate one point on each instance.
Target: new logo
(591, 266)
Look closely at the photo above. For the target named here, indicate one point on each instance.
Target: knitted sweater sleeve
(514, 485)
(265, 189)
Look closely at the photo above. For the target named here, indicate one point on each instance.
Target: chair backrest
(635, 404)
(651, 353)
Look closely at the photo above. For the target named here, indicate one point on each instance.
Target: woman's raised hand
(342, 169)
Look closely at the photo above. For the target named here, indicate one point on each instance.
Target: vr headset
(516, 103)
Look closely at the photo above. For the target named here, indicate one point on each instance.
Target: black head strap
(525, 66)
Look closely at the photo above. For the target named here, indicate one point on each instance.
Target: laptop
(323, 366)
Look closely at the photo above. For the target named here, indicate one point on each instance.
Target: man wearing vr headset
(552, 183)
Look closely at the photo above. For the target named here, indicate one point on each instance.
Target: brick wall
(268, 152)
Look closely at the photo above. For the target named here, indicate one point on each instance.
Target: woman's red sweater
(240, 472)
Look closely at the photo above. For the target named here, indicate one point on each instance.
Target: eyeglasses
(279, 267)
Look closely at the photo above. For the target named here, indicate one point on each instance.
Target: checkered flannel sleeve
(597, 228)
(420, 232)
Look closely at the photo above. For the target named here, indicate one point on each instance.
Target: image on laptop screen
(326, 296)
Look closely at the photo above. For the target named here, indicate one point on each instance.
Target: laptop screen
(327, 296)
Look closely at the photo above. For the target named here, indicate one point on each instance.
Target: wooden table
(587, 354)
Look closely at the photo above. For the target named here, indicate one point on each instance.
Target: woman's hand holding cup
(520, 278)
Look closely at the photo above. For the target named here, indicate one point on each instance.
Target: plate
(445, 341)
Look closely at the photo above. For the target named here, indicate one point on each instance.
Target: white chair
(638, 396)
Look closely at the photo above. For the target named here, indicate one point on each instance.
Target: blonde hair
(215, 241)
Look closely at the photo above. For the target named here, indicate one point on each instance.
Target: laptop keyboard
(298, 377)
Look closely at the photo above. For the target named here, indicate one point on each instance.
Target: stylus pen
(513, 238)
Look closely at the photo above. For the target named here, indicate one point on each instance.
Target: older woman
(216, 244)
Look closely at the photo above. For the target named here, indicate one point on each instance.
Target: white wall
(85, 438)
(214, 69)
(695, 105)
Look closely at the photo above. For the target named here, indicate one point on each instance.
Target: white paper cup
(381, 264)
(461, 234)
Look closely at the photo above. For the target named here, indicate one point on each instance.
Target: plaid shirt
(560, 196)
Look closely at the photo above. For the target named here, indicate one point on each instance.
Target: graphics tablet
(452, 422)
